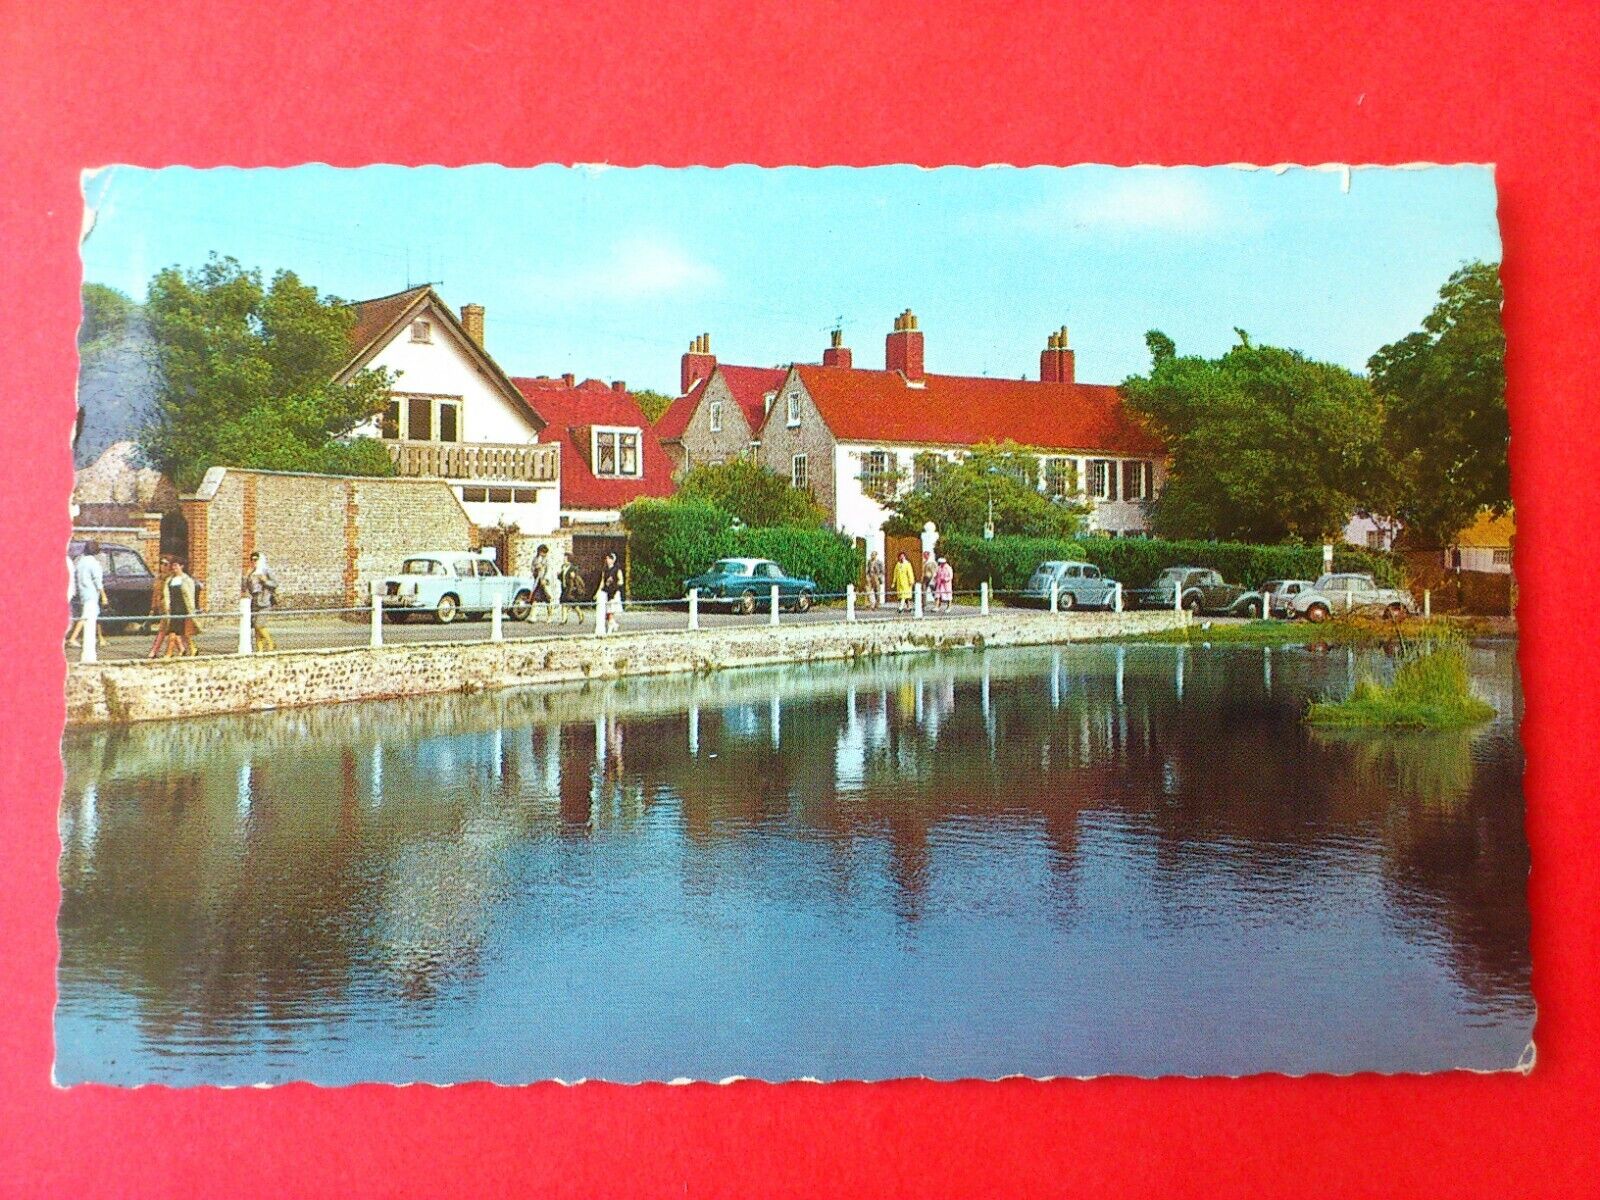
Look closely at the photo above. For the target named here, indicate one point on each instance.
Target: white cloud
(634, 268)
(1154, 200)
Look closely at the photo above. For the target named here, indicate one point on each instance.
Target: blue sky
(610, 272)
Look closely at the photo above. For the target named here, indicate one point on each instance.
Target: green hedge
(1009, 561)
(673, 540)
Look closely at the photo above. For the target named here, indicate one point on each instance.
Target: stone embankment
(115, 692)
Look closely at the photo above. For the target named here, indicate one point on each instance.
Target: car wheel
(522, 606)
(1253, 609)
(448, 608)
(1397, 612)
(746, 604)
(1191, 605)
(1065, 601)
(1317, 614)
(802, 602)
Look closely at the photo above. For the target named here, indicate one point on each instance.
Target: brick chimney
(619, 387)
(1055, 360)
(837, 354)
(570, 379)
(902, 349)
(698, 363)
(472, 321)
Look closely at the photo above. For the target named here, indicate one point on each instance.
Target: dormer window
(793, 413)
(615, 454)
(716, 416)
(422, 331)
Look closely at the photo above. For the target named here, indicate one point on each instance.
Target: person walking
(929, 570)
(74, 609)
(944, 584)
(261, 585)
(181, 609)
(875, 579)
(612, 585)
(572, 584)
(546, 584)
(162, 646)
(90, 577)
(905, 581)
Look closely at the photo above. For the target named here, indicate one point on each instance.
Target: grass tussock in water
(1354, 630)
(1430, 691)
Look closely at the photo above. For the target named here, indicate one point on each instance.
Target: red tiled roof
(374, 316)
(959, 410)
(750, 386)
(572, 411)
(675, 420)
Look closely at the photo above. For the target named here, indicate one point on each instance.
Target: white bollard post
(497, 631)
(850, 602)
(1116, 597)
(1177, 597)
(91, 640)
(694, 608)
(1427, 604)
(600, 613)
(773, 620)
(983, 598)
(916, 602)
(246, 644)
(1055, 595)
(377, 613)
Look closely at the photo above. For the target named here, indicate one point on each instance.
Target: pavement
(321, 631)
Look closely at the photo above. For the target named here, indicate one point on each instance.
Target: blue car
(744, 584)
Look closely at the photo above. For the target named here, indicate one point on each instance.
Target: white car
(451, 583)
(1335, 595)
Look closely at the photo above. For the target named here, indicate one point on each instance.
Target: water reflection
(1071, 860)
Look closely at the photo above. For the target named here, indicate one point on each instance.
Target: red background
(279, 83)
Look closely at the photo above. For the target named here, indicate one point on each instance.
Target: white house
(453, 414)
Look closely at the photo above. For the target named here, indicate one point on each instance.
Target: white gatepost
(694, 608)
(246, 644)
(1116, 597)
(916, 602)
(773, 620)
(600, 613)
(91, 640)
(497, 631)
(377, 614)
(1055, 595)
(1427, 604)
(850, 602)
(1177, 595)
(983, 598)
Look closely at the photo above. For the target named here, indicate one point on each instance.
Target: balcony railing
(538, 463)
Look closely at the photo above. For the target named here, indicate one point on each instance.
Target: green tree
(246, 377)
(958, 495)
(652, 403)
(757, 496)
(1445, 397)
(106, 315)
(1264, 444)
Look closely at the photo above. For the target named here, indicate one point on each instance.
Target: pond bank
(109, 693)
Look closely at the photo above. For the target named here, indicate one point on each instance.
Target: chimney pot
(619, 386)
(472, 321)
(569, 379)
(1056, 360)
(837, 354)
(697, 364)
(902, 350)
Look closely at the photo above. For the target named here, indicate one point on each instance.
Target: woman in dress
(944, 584)
(905, 581)
(875, 580)
(612, 585)
(181, 609)
(158, 607)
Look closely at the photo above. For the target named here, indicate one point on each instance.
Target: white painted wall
(540, 517)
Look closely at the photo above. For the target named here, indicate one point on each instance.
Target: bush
(673, 540)
(1009, 561)
(1430, 691)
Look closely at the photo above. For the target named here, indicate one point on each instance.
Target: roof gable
(572, 412)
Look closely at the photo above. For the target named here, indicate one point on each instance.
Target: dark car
(1202, 591)
(744, 584)
(128, 585)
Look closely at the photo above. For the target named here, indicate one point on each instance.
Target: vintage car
(1202, 590)
(1280, 594)
(129, 585)
(452, 583)
(1334, 595)
(1078, 585)
(745, 584)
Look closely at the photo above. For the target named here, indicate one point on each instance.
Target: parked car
(1202, 590)
(1334, 595)
(1078, 585)
(129, 585)
(452, 583)
(744, 584)
(1280, 594)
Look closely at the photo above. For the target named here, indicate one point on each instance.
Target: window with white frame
(926, 470)
(615, 453)
(1101, 485)
(1060, 477)
(877, 474)
(792, 414)
(715, 414)
(419, 418)
(1132, 480)
(1375, 539)
(422, 331)
(1502, 557)
(799, 471)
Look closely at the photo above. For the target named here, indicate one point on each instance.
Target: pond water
(1073, 861)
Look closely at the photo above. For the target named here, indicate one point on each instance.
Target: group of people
(938, 581)
(551, 582)
(174, 598)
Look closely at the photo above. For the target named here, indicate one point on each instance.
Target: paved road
(220, 635)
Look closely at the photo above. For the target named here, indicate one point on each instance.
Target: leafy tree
(1445, 394)
(1265, 444)
(107, 314)
(247, 377)
(652, 403)
(758, 496)
(956, 495)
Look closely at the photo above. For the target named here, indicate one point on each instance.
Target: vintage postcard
(648, 624)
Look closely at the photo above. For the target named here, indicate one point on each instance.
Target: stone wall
(325, 536)
(115, 692)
